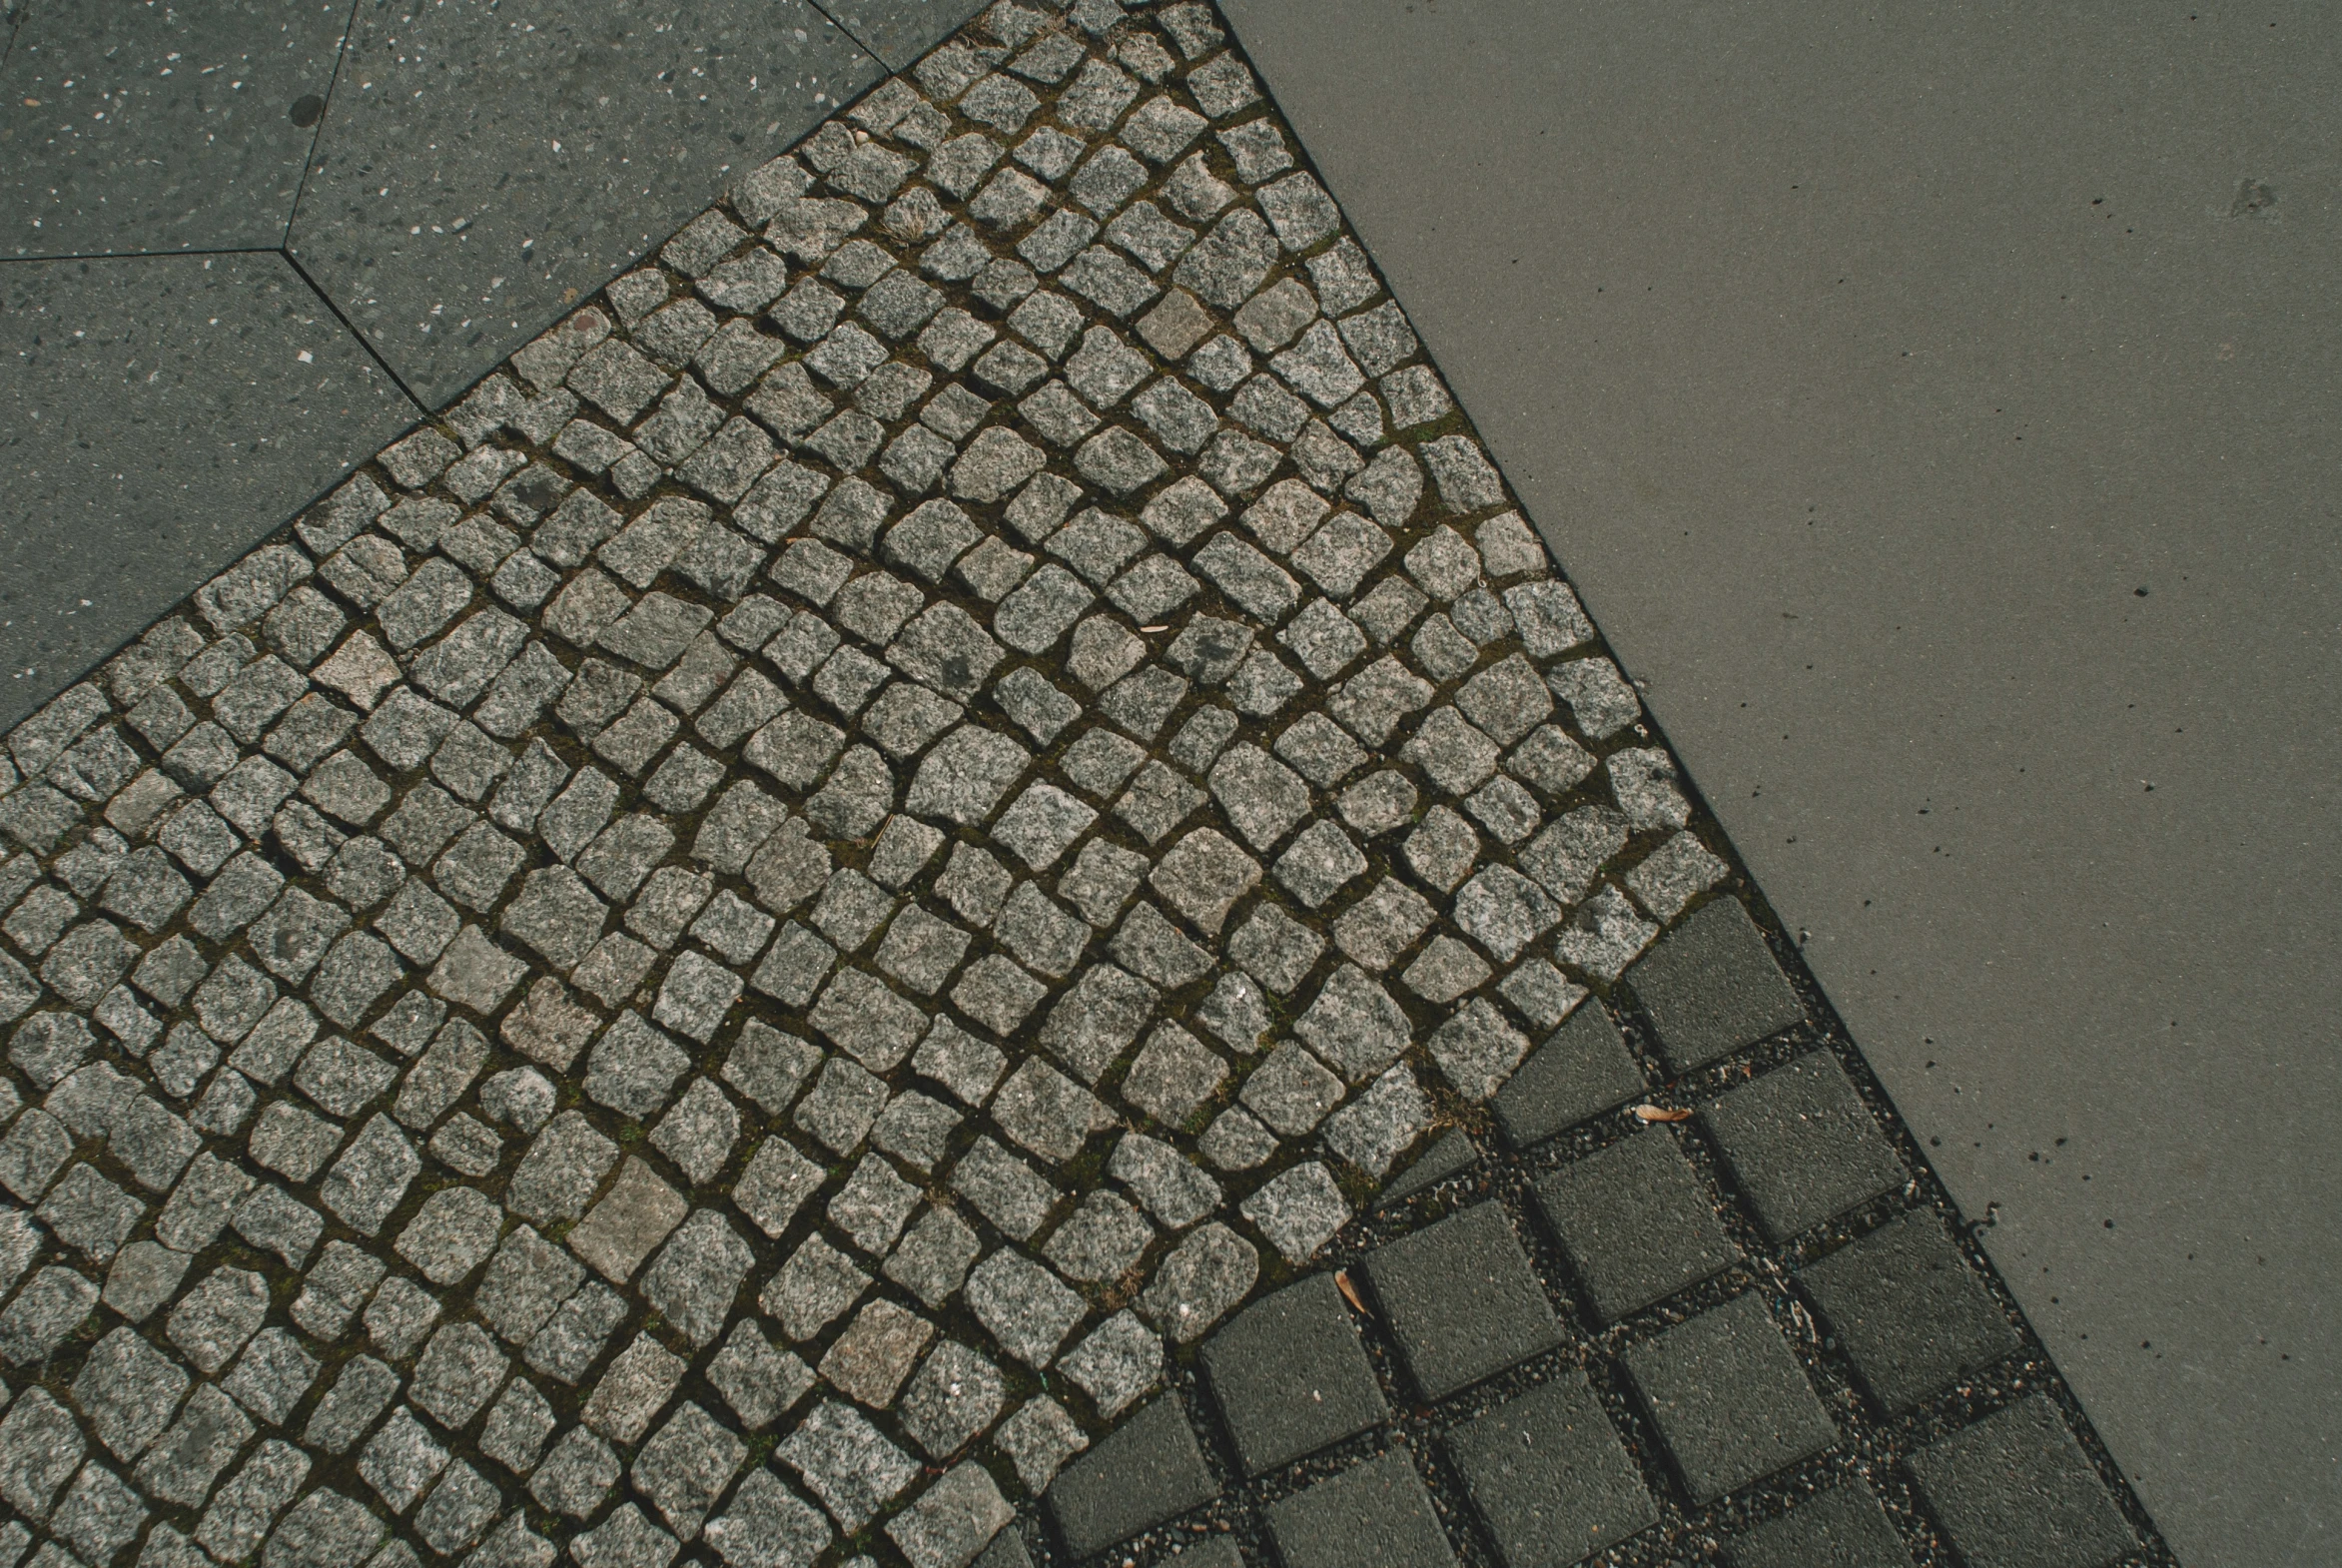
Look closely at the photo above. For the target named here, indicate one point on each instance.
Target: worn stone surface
(1636, 1221)
(2016, 1488)
(1379, 1512)
(1731, 1400)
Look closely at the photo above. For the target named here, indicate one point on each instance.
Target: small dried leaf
(1349, 1292)
(1660, 1113)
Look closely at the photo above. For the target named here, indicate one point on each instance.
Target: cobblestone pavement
(751, 947)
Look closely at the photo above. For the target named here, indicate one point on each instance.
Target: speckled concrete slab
(898, 32)
(135, 129)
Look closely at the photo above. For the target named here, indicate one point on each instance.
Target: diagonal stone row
(729, 941)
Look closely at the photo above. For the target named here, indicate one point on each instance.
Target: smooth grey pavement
(132, 129)
(900, 32)
(1937, 410)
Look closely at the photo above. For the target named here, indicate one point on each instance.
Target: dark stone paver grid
(1807, 1419)
(748, 940)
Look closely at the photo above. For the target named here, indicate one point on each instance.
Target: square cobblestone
(398, 1316)
(1729, 1399)
(1299, 1211)
(1004, 1189)
(1477, 1050)
(1151, 1470)
(1379, 1126)
(1290, 1377)
(629, 1221)
(1637, 1224)
(685, 1466)
(1582, 1070)
(1116, 1364)
(1908, 1311)
(190, 1453)
(1462, 1300)
(1548, 1475)
(847, 1463)
(361, 1392)
(758, 1381)
(1172, 1188)
(1802, 1145)
(576, 1475)
(1376, 1512)
(2016, 1491)
(1712, 987)
(1842, 1527)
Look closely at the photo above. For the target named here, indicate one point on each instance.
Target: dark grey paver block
(1582, 1070)
(1637, 1222)
(1290, 1376)
(1712, 987)
(1549, 1477)
(456, 90)
(1377, 1513)
(2016, 1492)
(1802, 1145)
(1729, 1401)
(1842, 1527)
(1462, 1299)
(134, 484)
(1907, 1309)
(1149, 1471)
